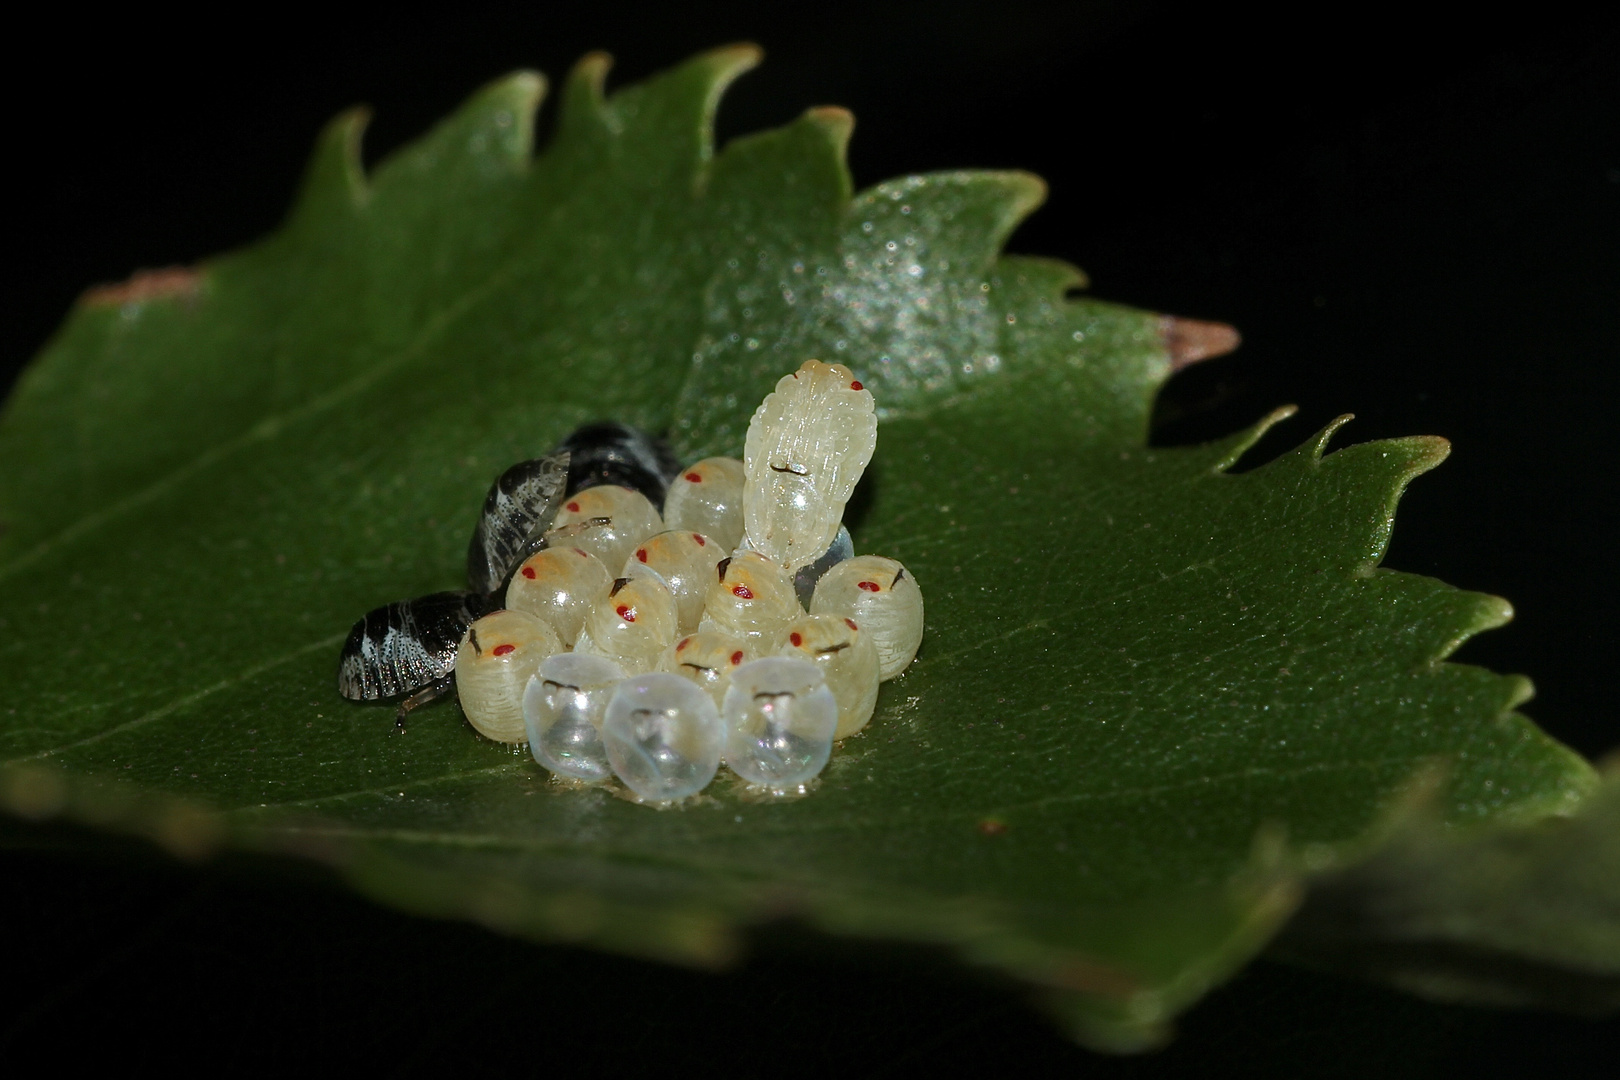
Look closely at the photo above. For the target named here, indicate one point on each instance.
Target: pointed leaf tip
(168, 283)
(1191, 340)
(837, 121)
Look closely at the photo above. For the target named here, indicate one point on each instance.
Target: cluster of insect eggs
(700, 648)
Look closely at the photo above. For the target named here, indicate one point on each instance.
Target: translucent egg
(884, 599)
(631, 519)
(846, 656)
(707, 658)
(630, 623)
(663, 736)
(558, 585)
(780, 718)
(808, 444)
(563, 706)
(750, 596)
(686, 561)
(707, 498)
(807, 577)
(496, 656)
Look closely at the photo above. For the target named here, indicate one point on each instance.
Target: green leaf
(1521, 915)
(1151, 691)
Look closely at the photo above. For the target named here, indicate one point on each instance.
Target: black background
(1410, 217)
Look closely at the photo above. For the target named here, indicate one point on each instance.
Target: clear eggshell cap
(563, 706)
(663, 736)
(779, 717)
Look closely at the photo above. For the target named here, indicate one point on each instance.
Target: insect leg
(433, 691)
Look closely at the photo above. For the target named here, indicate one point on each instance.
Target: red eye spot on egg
(626, 612)
(502, 650)
(742, 592)
(699, 538)
(528, 572)
(851, 624)
(694, 478)
(685, 641)
(573, 508)
(736, 657)
(582, 553)
(796, 638)
(870, 586)
(856, 385)
(641, 553)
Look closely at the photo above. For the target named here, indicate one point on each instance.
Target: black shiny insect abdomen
(613, 453)
(520, 507)
(407, 646)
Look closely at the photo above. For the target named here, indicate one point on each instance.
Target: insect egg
(563, 706)
(558, 586)
(663, 736)
(883, 597)
(631, 623)
(707, 658)
(750, 596)
(493, 664)
(631, 519)
(808, 443)
(848, 659)
(779, 718)
(686, 561)
(707, 498)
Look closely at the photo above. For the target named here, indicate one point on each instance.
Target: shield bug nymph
(407, 649)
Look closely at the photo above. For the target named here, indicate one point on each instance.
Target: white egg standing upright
(808, 444)
(707, 498)
(497, 655)
(630, 520)
(884, 598)
(847, 657)
(558, 586)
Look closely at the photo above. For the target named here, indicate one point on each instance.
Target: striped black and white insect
(613, 453)
(407, 649)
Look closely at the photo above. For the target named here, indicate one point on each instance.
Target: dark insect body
(518, 510)
(612, 453)
(408, 647)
